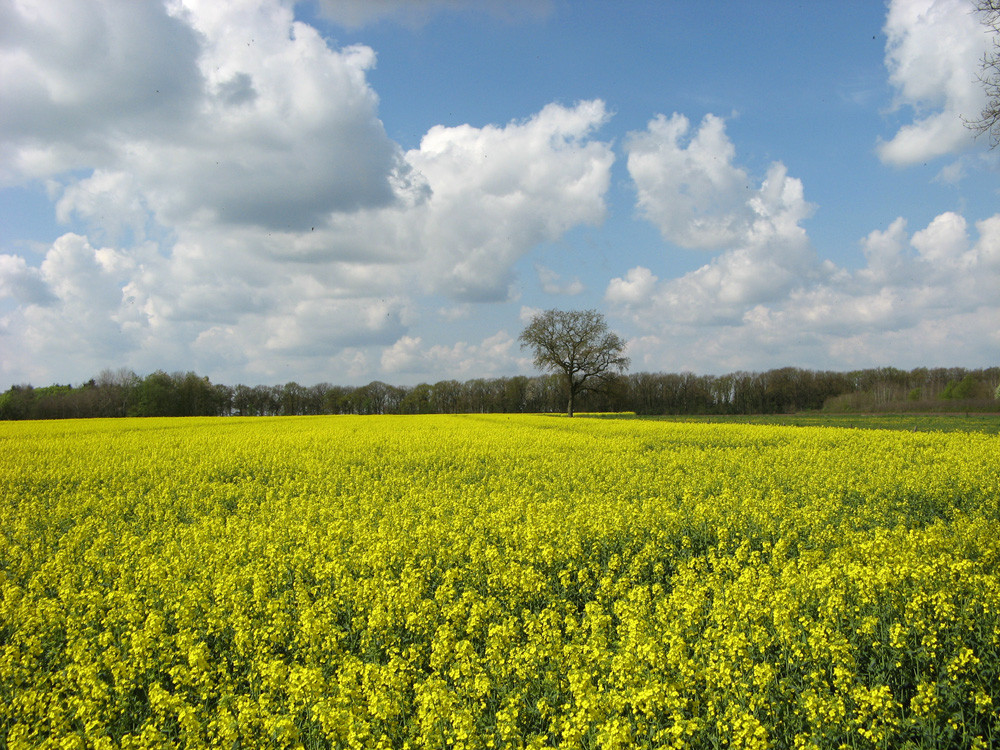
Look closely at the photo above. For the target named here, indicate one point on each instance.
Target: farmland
(913, 422)
(496, 581)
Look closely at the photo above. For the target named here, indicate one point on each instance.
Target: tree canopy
(578, 345)
(122, 393)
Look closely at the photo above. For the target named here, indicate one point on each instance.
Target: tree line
(122, 393)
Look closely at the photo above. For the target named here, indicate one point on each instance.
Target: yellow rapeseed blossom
(497, 581)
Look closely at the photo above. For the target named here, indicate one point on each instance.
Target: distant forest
(122, 393)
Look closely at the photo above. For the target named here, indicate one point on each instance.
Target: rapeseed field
(496, 581)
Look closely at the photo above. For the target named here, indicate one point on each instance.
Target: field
(496, 581)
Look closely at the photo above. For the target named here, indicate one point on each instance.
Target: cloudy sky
(348, 190)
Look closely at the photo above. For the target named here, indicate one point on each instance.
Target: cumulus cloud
(933, 52)
(80, 79)
(635, 289)
(244, 295)
(72, 308)
(766, 294)
(687, 185)
(883, 251)
(496, 192)
(244, 200)
(23, 283)
(110, 203)
(477, 200)
(289, 131)
(493, 355)
(221, 112)
(239, 208)
(699, 198)
(944, 242)
(929, 292)
(480, 198)
(404, 355)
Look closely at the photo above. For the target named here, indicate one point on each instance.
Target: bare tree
(989, 118)
(578, 345)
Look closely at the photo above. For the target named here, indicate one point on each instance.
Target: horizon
(118, 373)
(336, 191)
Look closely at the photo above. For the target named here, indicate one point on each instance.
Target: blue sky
(345, 191)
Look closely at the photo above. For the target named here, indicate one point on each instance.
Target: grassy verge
(986, 423)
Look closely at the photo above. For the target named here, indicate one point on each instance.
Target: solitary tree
(989, 118)
(578, 345)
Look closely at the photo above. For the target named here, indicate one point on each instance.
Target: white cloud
(22, 283)
(111, 204)
(944, 242)
(698, 198)
(884, 253)
(687, 184)
(960, 337)
(635, 289)
(250, 200)
(80, 79)
(933, 52)
(462, 360)
(289, 133)
(768, 294)
(220, 112)
(306, 296)
(496, 192)
(931, 294)
(986, 253)
(404, 355)
(72, 307)
(476, 201)
(246, 213)
(769, 254)
(322, 325)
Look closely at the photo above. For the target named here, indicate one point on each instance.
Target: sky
(353, 190)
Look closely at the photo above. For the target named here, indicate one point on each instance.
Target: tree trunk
(569, 407)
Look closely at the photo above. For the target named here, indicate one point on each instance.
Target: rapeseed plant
(496, 581)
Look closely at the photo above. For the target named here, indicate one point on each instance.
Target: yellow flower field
(496, 581)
